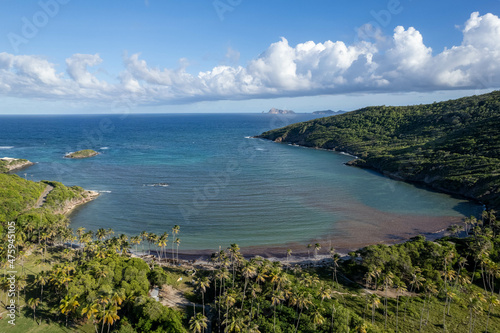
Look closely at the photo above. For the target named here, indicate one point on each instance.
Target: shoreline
(15, 164)
(279, 252)
(355, 162)
(70, 206)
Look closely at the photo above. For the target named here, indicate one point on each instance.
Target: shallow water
(223, 186)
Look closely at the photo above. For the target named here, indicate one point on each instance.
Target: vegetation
(452, 146)
(442, 286)
(82, 154)
(88, 281)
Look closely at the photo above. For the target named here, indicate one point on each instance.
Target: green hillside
(451, 146)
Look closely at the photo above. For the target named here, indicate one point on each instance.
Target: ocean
(206, 174)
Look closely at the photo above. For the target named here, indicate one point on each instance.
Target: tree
(202, 284)
(276, 298)
(41, 279)
(68, 305)
(91, 311)
(302, 301)
(317, 247)
(375, 302)
(248, 271)
(110, 316)
(175, 231)
(198, 323)
(33, 303)
(492, 301)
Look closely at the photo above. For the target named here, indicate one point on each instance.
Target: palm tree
(276, 298)
(317, 247)
(288, 255)
(198, 323)
(309, 246)
(302, 301)
(41, 279)
(400, 288)
(68, 305)
(91, 311)
(236, 323)
(144, 237)
(110, 316)
(387, 282)
(248, 271)
(80, 231)
(177, 242)
(317, 318)
(492, 301)
(375, 302)
(101, 234)
(136, 240)
(175, 231)
(33, 303)
(202, 284)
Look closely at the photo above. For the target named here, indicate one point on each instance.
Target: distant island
(451, 146)
(10, 164)
(278, 111)
(86, 153)
(328, 112)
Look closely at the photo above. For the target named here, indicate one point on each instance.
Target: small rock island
(278, 111)
(8, 164)
(86, 153)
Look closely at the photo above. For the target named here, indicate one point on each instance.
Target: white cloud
(399, 63)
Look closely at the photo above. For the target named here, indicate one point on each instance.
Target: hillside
(451, 146)
(28, 203)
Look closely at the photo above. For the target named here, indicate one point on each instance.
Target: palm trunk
(298, 321)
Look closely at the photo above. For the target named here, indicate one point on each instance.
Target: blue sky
(70, 56)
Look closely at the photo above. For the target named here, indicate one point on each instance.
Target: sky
(74, 56)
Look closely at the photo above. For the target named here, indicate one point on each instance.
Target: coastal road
(41, 200)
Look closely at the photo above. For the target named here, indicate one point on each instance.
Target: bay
(223, 186)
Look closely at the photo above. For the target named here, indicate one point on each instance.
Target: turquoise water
(224, 187)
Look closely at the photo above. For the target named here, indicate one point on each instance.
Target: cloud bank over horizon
(400, 63)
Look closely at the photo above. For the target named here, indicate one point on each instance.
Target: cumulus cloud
(397, 63)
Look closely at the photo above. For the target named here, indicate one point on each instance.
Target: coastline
(71, 205)
(363, 164)
(14, 164)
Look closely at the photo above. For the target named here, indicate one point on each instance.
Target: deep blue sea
(223, 186)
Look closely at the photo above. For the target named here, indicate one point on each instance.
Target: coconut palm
(288, 256)
(317, 247)
(198, 323)
(41, 279)
(202, 284)
(177, 243)
(317, 318)
(375, 302)
(91, 311)
(302, 301)
(492, 301)
(248, 271)
(68, 305)
(276, 298)
(110, 316)
(101, 234)
(400, 288)
(175, 231)
(33, 303)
